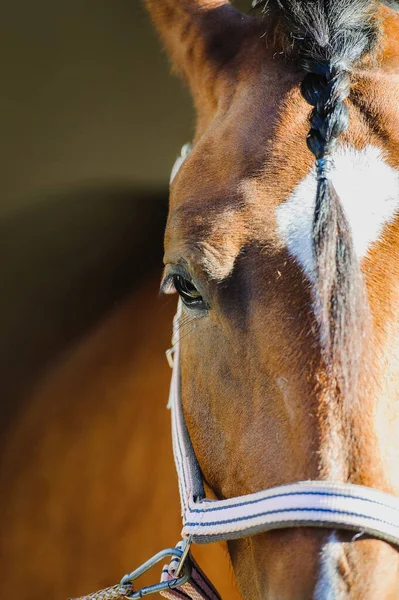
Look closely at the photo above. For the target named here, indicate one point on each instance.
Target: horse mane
(328, 38)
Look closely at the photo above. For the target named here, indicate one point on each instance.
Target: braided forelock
(338, 31)
(328, 38)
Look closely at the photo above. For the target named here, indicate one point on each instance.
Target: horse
(282, 243)
(288, 279)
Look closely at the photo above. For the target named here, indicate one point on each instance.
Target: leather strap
(197, 588)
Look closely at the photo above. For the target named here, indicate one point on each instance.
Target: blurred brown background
(91, 123)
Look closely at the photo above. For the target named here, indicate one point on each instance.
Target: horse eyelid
(167, 286)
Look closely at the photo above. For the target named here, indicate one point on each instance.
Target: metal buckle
(185, 552)
(184, 566)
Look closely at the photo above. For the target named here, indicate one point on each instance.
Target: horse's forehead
(251, 179)
(212, 229)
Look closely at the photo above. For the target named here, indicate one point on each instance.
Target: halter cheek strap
(324, 504)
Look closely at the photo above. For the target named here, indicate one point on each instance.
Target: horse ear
(200, 36)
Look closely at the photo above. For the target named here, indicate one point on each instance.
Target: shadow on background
(63, 264)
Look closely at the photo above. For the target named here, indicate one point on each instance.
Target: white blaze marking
(369, 192)
(330, 585)
(368, 189)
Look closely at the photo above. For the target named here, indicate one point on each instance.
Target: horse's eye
(188, 292)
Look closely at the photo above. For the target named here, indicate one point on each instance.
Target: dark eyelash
(171, 272)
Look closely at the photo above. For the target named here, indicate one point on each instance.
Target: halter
(331, 505)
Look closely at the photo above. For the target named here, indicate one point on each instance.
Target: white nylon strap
(309, 503)
(317, 504)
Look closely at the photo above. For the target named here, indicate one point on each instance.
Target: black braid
(326, 90)
(326, 87)
(329, 37)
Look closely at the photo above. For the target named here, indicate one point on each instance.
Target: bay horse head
(283, 244)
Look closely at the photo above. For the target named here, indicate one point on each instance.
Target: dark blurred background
(91, 124)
